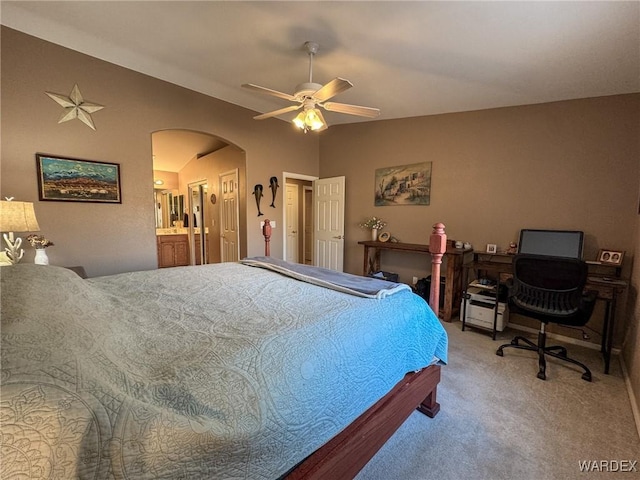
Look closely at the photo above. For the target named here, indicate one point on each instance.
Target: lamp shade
(18, 217)
(310, 119)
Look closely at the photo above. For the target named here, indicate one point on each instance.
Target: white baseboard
(635, 407)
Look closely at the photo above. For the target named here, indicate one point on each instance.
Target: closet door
(197, 222)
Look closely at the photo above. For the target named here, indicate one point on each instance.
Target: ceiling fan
(310, 95)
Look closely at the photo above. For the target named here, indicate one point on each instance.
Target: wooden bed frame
(346, 453)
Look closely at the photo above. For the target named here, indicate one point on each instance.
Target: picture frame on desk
(492, 248)
(610, 257)
(384, 237)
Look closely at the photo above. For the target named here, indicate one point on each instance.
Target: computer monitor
(555, 243)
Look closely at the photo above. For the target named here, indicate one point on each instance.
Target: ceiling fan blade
(275, 113)
(331, 89)
(369, 112)
(268, 91)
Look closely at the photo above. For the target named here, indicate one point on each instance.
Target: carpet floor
(499, 421)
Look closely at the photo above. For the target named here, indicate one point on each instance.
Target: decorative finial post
(437, 248)
(266, 232)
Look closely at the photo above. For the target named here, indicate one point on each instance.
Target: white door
(229, 217)
(291, 204)
(329, 223)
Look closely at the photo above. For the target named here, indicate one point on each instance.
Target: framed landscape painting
(403, 185)
(73, 180)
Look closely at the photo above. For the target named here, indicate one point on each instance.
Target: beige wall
(631, 345)
(567, 165)
(564, 165)
(112, 238)
(169, 180)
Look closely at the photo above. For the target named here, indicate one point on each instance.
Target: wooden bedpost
(266, 232)
(437, 249)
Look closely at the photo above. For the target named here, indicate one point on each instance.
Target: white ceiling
(406, 58)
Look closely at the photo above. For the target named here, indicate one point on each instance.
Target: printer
(481, 305)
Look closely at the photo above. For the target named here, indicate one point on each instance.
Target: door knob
(339, 237)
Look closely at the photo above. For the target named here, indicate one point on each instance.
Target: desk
(608, 289)
(453, 276)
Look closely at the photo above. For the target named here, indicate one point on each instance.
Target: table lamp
(16, 217)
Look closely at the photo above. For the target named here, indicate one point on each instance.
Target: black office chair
(549, 289)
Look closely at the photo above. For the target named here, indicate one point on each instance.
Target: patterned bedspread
(212, 372)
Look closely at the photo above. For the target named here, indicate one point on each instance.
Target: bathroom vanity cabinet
(173, 250)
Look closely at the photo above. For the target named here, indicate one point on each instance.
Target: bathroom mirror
(199, 223)
(169, 208)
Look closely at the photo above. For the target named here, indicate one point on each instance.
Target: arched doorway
(188, 167)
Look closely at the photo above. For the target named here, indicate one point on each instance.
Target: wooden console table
(453, 276)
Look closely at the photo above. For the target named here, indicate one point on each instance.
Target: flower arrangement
(39, 241)
(373, 222)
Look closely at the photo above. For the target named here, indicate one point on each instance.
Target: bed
(233, 370)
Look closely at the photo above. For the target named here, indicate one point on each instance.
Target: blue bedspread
(211, 372)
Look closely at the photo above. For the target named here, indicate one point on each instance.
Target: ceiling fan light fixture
(310, 95)
(309, 119)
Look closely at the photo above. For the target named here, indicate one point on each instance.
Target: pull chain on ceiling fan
(310, 95)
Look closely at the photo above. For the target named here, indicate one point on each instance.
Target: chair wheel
(499, 352)
(542, 376)
(586, 376)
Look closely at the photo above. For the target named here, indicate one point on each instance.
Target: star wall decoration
(75, 107)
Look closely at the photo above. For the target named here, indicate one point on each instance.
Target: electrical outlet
(415, 280)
